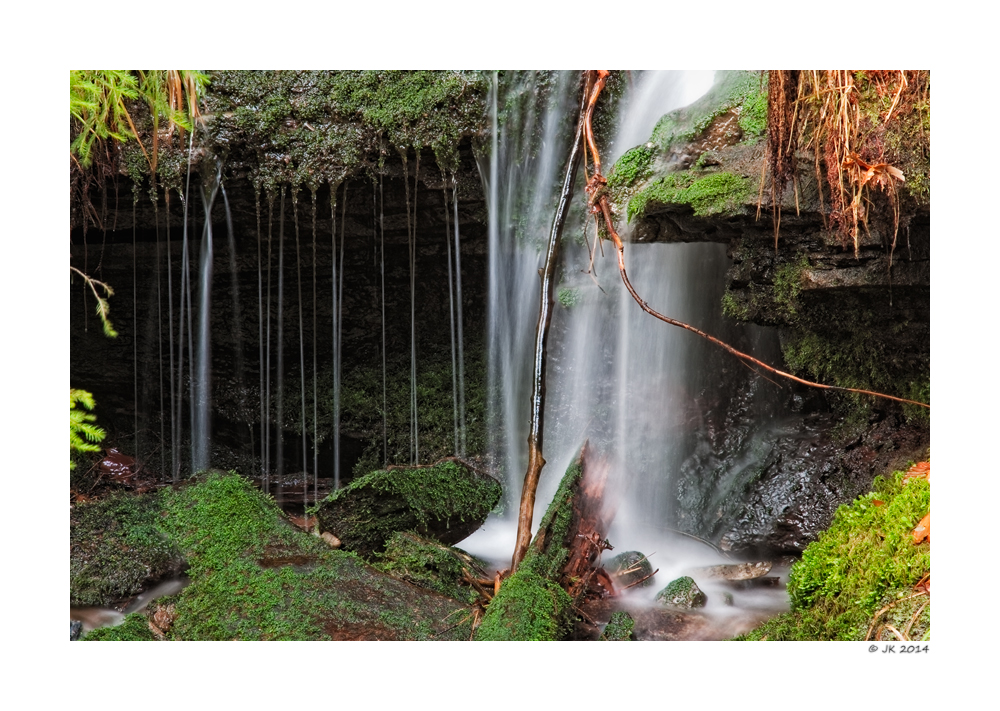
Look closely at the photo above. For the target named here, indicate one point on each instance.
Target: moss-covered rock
(255, 576)
(620, 628)
(628, 568)
(134, 628)
(863, 563)
(431, 565)
(446, 501)
(682, 592)
(117, 548)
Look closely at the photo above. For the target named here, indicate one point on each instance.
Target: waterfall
(201, 430)
(615, 376)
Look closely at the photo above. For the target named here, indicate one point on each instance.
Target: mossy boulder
(446, 501)
(682, 592)
(620, 628)
(628, 568)
(117, 548)
(689, 164)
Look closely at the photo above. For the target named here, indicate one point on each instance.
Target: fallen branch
(598, 201)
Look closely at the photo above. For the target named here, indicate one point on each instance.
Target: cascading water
(630, 385)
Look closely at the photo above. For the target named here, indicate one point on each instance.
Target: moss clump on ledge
(713, 194)
(865, 561)
(744, 91)
(631, 167)
(446, 501)
(531, 605)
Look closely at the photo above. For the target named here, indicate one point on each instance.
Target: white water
(615, 376)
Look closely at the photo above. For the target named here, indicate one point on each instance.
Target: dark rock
(75, 628)
(683, 593)
(446, 501)
(629, 568)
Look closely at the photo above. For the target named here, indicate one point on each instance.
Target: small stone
(331, 540)
(620, 628)
(684, 593)
(628, 568)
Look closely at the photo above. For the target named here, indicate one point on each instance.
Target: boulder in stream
(446, 501)
(682, 592)
(629, 568)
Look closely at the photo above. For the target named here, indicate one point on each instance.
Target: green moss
(254, 576)
(431, 565)
(531, 605)
(431, 500)
(630, 168)
(528, 607)
(312, 127)
(788, 284)
(619, 628)
(753, 113)
(717, 193)
(117, 548)
(741, 90)
(568, 297)
(864, 561)
(134, 628)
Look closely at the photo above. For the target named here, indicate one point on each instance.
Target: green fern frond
(83, 436)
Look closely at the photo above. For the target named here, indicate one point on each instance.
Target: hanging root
(598, 202)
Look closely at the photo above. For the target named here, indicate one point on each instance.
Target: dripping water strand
(267, 432)
(135, 339)
(340, 332)
(170, 344)
(302, 347)
(280, 371)
(260, 336)
(451, 312)
(381, 223)
(315, 390)
(458, 320)
(159, 322)
(241, 389)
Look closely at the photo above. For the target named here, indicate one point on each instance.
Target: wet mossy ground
(117, 547)
(256, 577)
(864, 562)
